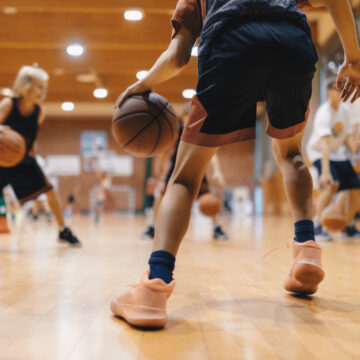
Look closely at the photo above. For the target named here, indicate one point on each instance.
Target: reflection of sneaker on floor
(144, 304)
(351, 232)
(68, 237)
(219, 234)
(322, 235)
(149, 233)
(306, 272)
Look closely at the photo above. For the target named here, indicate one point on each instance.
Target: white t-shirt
(329, 122)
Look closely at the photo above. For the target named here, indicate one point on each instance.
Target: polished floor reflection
(228, 302)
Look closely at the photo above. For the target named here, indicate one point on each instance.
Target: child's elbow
(181, 60)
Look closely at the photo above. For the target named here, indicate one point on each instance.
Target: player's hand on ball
(351, 71)
(137, 88)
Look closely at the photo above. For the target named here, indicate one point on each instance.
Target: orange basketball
(210, 204)
(12, 147)
(333, 219)
(145, 125)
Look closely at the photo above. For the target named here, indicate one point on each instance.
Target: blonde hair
(25, 77)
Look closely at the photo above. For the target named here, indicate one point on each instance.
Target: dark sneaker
(149, 233)
(219, 234)
(320, 234)
(351, 232)
(66, 236)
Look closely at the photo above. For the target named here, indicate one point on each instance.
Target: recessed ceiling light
(141, 74)
(75, 49)
(59, 72)
(67, 106)
(100, 93)
(188, 93)
(195, 51)
(10, 10)
(133, 15)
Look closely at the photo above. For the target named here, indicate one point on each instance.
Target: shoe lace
(284, 246)
(132, 285)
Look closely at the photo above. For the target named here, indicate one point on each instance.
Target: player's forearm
(341, 12)
(352, 144)
(325, 162)
(166, 67)
(173, 60)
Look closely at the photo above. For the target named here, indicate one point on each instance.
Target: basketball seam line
(137, 134)
(158, 137)
(154, 118)
(168, 123)
(158, 122)
(10, 147)
(130, 114)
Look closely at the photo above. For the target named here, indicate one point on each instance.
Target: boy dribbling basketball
(249, 51)
(23, 113)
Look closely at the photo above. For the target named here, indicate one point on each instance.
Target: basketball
(12, 147)
(333, 219)
(210, 204)
(145, 125)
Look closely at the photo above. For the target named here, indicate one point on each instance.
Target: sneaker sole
(62, 241)
(154, 318)
(307, 278)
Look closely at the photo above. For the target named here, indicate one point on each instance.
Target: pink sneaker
(306, 272)
(144, 304)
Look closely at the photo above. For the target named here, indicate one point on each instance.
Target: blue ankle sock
(304, 231)
(162, 265)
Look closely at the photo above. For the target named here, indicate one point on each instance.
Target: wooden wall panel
(58, 137)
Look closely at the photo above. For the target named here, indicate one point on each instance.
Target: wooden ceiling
(115, 48)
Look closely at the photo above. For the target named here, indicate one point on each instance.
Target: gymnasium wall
(59, 136)
(62, 137)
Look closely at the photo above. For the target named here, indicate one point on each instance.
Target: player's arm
(41, 119)
(217, 174)
(5, 109)
(342, 15)
(42, 116)
(336, 142)
(168, 65)
(352, 144)
(324, 147)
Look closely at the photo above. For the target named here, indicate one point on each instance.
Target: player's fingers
(356, 95)
(348, 90)
(121, 99)
(340, 78)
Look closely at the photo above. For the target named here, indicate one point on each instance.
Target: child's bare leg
(296, 176)
(174, 213)
(54, 204)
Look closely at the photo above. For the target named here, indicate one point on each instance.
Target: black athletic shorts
(343, 173)
(252, 62)
(27, 179)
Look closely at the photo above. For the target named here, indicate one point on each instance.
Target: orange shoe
(144, 304)
(306, 272)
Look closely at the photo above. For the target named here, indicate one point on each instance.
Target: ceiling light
(195, 51)
(141, 74)
(133, 15)
(67, 106)
(10, 10)
(75, 49)
(188, 93)
(59, 72)
(100, 93)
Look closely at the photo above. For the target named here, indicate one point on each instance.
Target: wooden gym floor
(228, 302)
